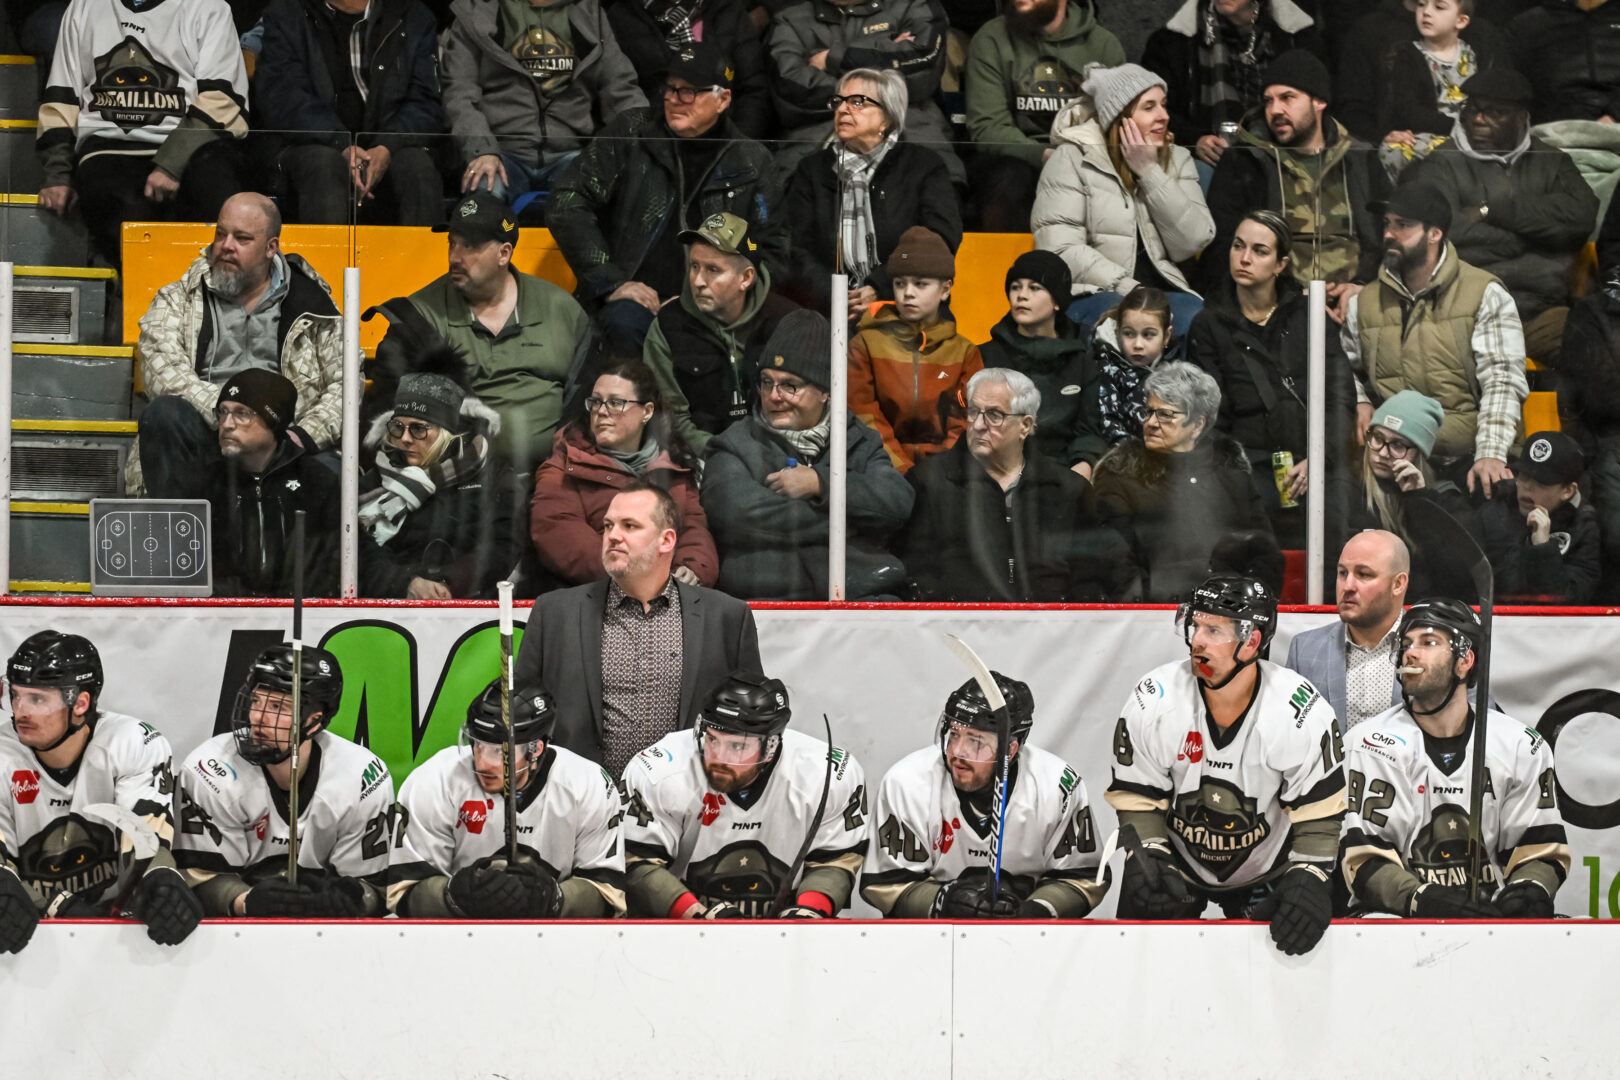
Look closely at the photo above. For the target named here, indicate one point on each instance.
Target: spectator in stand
(854, 197)
(1296, 159)
(360, 79)
(997, 521)
(524, 339)
(1037, 340)
(1421, 84)
(167, 151)
(439, 513)
(1435, 324)
(1210, 55)
(765, 483)
(618, 211)
(704, 350)
(526, 84)
(1023, 69)
(1394, 474)
(1541, 534)
(36, 24)
(1589, 405)
(816, 44)
(907, 364)
(1253, 339)
(1570, 51)
(1608, 241)
(654, 34)
(1520, 208)
(623, 436)
(1130, 342)
(1179, 489)
(241, 305)
(1118, 199)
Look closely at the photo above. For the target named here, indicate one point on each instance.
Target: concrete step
(73, 460)
(50, 546)
(20, 170)
(29, 235)
(19, 88)
(71, 382)
(62, 305)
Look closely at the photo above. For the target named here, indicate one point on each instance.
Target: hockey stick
(1109, 847)
(143, 842)
(1132, 843)
(992, 694)
(296, 735)
(1434, 523)
(503, 590)
(785, 893)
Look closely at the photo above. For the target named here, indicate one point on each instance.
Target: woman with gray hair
(848, 203)
(1178, 490)
(997, 521)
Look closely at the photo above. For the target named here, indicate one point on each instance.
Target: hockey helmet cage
(320, 692)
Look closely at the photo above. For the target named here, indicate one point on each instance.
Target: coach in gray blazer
(629, 659)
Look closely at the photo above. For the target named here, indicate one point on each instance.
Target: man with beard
(1520, 208)
(1291, 156)
(1023, 68)
(629, 656)
(1406, 847)
(713, 824)
(1230, 771)
(1352, 662)
(1434, 324)
(242, 305)
(933, 848)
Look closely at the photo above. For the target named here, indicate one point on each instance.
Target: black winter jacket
(725, 27)
(1572, 59)
(252, 521)
(1060, 368)
(965, 544)
(1564, 570)
(1436, 569)
(1589, 389)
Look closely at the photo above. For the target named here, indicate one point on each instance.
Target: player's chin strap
(1451, 692)
(71, 730)
(1237, 669)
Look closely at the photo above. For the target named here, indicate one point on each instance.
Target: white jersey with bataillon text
(723, 849)
(231, 823)
(920, 831)
(1409, 798)
(1229, 808)
(570, 822)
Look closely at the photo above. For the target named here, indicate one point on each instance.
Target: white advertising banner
(880, 674)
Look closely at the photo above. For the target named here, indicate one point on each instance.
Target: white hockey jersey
(233, 819)
(1409, 798)
(922, 832)
(1229, 805)
(126, 762)
(568, 820)
(726, 850)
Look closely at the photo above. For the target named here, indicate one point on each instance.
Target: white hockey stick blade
(1109, 847)
(981, 674)
(142, 840)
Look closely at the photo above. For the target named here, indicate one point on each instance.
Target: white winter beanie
(1113, 89)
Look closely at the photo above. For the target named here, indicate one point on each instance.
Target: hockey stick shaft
(503, 591)
(296, 734)
(785, 894)
(1003, 769)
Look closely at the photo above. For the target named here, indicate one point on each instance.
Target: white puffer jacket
(1083, 212)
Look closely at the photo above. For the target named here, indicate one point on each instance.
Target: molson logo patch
(24, 786)
(474, 812)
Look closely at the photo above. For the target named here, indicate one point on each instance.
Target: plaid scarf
(676, 21)
(855, 226)
(406, 488)
(808, 444)
(1231, 58)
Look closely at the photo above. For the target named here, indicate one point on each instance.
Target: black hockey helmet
(66, 662)
(746, 703)
(534, 715)
(1457, 619)
(1235, 596)
(320, 692)
(968, 707)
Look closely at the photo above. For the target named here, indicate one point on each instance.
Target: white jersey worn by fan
(922, 831)
(727, 848)
(233, 819)
(568, 819)
(1230, 799)
(1410, 796)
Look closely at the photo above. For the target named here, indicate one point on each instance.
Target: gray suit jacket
(1319, 656)
(562, 650)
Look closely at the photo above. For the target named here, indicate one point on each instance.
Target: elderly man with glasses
(766, 483)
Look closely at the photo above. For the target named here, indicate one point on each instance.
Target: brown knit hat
(921, 253)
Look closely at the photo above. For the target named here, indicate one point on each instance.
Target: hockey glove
(312, 898)
(1157, 891)
(798, 911)
(724, 909)
(491, 889)
(18, 916)
(1524, 900)
(969, 898)
(167, 905)
(1448, 902)
(1304, 908)
(1036, 909)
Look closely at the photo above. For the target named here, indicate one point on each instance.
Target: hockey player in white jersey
(65, 755)
(450, 857)
(715, 817)
(931, 852)
(1230, 770)
(234, 804)
(1406, 848)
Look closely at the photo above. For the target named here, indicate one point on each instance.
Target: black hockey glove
(1448, 902)
(969, 898)
(1158, 891)
(723, 909)
(1036, 909)
(317, 897)
(1304, 908)
(491, 889)
(1524, 900)
(797, 911)
(167, 905)
(18, 916)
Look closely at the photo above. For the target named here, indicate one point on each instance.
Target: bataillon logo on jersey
(545, 56)
(474, 812)
(133, 90)
(1219, 824)
(947, 835)
(1440, 854)
(1193, 748)
(711, 807)
(24, 786)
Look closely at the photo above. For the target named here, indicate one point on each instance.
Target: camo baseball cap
(724, 232)
(480, 218)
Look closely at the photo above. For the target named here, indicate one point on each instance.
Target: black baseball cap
(481, 217)
(1416, 202)
(1552, 458)
(702, 64)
